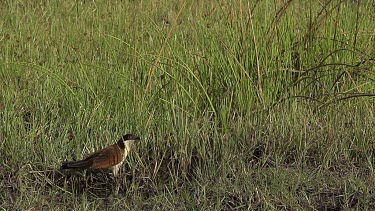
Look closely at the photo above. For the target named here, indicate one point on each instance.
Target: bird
(110, 157)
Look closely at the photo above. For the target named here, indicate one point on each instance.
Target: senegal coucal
(108, 158)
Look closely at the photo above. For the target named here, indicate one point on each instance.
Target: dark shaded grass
(284, 187)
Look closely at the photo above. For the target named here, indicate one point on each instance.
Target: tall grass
(240, 105)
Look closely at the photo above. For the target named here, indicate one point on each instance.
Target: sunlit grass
(239, 105)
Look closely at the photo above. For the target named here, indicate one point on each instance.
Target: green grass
(260, 106)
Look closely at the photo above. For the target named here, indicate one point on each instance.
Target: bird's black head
(127, 137)
(130, 137)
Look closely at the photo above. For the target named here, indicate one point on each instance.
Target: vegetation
(255, 105)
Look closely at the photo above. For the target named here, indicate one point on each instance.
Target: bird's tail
(83, 164)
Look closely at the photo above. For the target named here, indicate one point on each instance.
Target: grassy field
(267, 105)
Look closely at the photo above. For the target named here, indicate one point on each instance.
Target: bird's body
(111, 157)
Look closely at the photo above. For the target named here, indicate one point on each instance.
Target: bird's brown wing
(105, 158)
(108, 157)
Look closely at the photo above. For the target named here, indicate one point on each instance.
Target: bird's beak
(134, 137)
